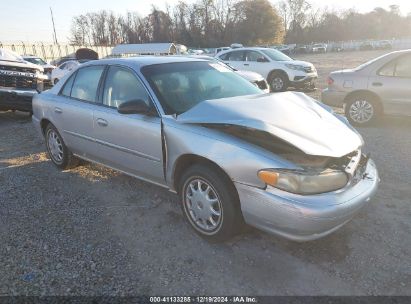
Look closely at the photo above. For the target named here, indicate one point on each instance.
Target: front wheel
(210, 203)
(278, 82)
(361, 110)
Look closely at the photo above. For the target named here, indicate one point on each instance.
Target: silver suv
(377, 87)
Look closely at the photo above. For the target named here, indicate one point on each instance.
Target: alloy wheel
(277, 84)
(203, 206)
(361, 111)
(55, 146)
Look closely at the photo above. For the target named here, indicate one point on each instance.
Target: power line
(54, 28)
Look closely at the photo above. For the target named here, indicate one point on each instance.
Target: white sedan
(63, 69)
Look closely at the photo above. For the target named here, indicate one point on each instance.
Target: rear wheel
(59, 154)
(278, 82)
(362, 110)
(210, 203)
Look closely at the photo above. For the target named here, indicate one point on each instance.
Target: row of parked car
(378, 87)
(291, 49)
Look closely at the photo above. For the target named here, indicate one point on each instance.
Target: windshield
(38, 61)
(181, 86)
(276, 55)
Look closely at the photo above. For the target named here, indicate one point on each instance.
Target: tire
(57, 150)
(215, 221)
(278, 82)
(362, 110)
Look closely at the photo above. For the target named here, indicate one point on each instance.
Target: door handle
(58, 110)
(247, 64)
(102, 122)
(377, 84)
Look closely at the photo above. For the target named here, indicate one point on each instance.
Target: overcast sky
(29, 20)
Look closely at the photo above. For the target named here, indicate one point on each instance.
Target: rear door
(132, 142)
(72, 113)
(392, 83)
(235, 59)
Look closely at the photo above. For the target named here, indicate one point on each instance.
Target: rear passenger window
(86, 83)
(67, 86)
(403, 68)
(235, 56)
(388, 69)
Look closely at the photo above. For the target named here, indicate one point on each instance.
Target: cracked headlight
(300, 182)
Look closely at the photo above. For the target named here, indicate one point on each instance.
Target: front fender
(240, 161)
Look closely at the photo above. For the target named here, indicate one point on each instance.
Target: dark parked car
(366, 46)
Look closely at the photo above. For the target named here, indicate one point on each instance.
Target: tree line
(205, 23)
(304, 23)
(213, 23)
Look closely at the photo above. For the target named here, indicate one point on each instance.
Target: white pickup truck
(19, 81)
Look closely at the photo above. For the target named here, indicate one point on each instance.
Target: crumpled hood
(293, 117)
(9, 58)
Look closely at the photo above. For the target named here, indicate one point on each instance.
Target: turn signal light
(268, 177)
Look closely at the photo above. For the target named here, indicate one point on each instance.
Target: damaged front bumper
(307, 217)
(16, 99)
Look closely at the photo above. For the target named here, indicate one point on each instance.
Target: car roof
(250, 48)
(30, 56)
(140, 61)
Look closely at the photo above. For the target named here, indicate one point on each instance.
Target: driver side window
(254, 56)
(121, 86)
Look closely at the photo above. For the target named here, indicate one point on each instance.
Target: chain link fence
(51, 52)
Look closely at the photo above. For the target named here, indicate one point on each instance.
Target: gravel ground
(92, 231)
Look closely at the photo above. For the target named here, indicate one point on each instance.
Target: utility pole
(54, 27)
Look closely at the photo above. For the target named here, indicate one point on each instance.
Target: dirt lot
(92, 231)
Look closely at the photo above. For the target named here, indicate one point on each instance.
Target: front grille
(19, 78)
(18, 82)
(262, 84)
(17, 69)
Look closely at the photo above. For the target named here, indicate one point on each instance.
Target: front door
(393, 84)
(131, 143)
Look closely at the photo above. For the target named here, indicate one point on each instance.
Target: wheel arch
(43, 124)
(184, 161)
(272, 72)
(373, 95)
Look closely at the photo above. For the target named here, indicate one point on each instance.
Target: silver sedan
(380, 86)
(281, 162)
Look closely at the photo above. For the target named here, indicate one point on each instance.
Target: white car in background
(255, 78)
(278, 69)
(319, 48)
(48, 68)
(64, 68)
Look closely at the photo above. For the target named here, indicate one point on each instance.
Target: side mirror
(260, 59)
(135, 106)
